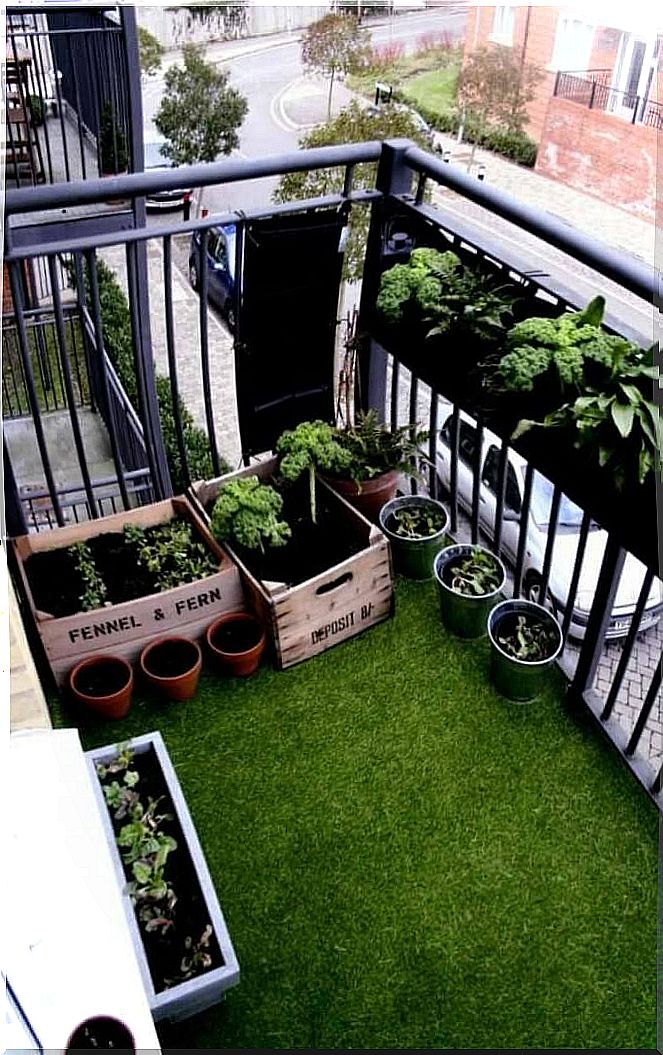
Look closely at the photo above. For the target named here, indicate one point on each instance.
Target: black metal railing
(62, 68)
(591, 89)
(403, 172)
(46, 364)
(75, 507)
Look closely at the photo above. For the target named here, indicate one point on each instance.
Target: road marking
(277, 112)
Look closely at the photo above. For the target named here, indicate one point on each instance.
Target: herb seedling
(94, 594)
(417, 522)
(475, 575)
(531, 640)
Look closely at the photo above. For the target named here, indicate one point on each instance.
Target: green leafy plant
(247, 512)
(374, 448)
(150, 51)
(113, 149)
(197, 957)
(335, 44)
(531, 640)
(171, 553)
(476, 574)
(416, 522)
(312, 446)
(94, 594)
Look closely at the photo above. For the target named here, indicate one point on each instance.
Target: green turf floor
(404, 859)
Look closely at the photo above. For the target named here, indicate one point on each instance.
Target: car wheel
(193, 275)
(531, 589)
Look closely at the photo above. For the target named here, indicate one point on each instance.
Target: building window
(503, 24)
(573, 45)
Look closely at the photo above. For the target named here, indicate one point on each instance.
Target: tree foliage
(199, 113)
(335, 44)
(494, 88)
(150, 51)
(354, 124)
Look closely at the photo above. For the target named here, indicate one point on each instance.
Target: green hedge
(118, 341)
(517, 146)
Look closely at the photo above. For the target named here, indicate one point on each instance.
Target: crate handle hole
(327, 587)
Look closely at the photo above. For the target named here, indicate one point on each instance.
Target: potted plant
(182, 945)
(112, 585)
(236, 642)
(378, 455)
(525, 640)
(416, 527)
(469, 579)
(311, 583)
(113, 149)
(172, 666)
(103, 684)
(101, 1033)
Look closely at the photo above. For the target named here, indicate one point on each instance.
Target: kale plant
(312, 446)
(247, 512)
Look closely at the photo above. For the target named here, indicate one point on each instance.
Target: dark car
(157, 159)
(220, 259)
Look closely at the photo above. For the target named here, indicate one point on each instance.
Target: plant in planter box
(247, 512)
(525, 640)
(113, 149)
(469, 579)
(311, 447)
(415, 526)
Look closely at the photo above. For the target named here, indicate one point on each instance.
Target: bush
(517, 146)
(118, 341)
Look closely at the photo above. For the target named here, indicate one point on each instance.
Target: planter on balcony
(416, 527)
(469, 579)
(336, 601)
(125, 627)
(521, 658)
(186, 957)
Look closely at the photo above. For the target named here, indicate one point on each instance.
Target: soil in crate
(311, 549)
(166, 949)
(57, 585)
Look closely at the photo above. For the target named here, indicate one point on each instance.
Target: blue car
(220, 261)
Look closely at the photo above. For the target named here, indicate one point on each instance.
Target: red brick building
(598, 111)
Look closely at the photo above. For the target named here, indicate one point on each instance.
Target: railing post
(604, 599)
(13, 518)
(591, 95)
(636, 107)
(556, 87)
(394, 177)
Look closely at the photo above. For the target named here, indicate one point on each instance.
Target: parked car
(566, 539)
(157, 160)
(220, 258)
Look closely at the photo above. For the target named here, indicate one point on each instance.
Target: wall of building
(174, 27)
(600, 155)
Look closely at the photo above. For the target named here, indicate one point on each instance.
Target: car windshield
(153, 156)
(570, 515)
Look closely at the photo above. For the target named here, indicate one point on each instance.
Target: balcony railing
(591, 89)
(388, 381)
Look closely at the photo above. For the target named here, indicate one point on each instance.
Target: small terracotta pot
(172, 665)
(91, 679)
(369, 496)
(101, 1033)
(245, 661)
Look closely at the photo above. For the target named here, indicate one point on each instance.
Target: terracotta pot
(172, 665)
(243, 660)
(101, 1033)
(91, 679)
(369, 496)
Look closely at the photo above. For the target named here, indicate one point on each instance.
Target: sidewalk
(304, 104)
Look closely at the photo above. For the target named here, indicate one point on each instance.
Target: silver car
(566, 539)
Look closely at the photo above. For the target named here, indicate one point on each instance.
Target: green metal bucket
(517, 679)
(414, 558)
(464, 614)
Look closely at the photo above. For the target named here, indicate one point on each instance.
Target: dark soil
(236, 637)
(171, 659)
(312, 548)
(101, 1034)
(164, 950)
(103, 679)
(57, 586)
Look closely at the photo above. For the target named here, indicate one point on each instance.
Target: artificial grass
(404, 859)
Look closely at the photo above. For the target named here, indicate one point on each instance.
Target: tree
(494, 88)
(150, 51)
(354, 124)
(335, 44)
(199, 113)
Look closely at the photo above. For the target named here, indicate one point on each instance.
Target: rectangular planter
(195, 994)
(335, 605)
(124, 629)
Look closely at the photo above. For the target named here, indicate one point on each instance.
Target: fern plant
(375, 449)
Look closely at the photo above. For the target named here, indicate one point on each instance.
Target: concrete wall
(601, 155)
(177, 26)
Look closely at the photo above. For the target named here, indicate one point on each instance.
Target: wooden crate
(337, 604)
(124, 629)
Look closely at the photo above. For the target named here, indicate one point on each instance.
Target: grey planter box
(196, 994)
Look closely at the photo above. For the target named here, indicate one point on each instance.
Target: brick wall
(601, 155)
